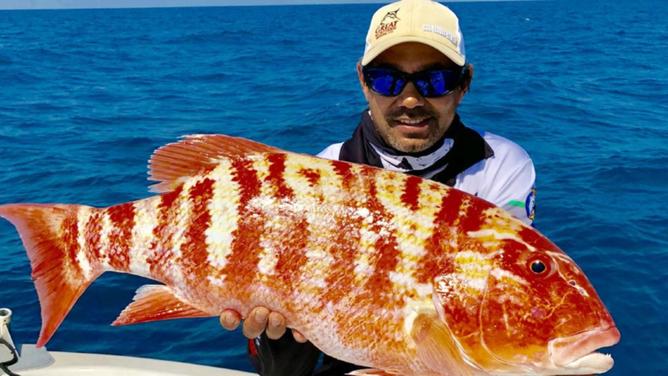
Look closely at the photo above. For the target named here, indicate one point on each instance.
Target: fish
(399, 274)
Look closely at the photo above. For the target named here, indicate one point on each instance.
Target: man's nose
(410, 97)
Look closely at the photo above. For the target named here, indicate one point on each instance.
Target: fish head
(525, 307)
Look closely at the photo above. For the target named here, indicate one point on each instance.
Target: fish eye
(538, 267)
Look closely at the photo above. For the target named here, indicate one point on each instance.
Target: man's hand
(259, 320)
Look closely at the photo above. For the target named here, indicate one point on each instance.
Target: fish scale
(375, 267)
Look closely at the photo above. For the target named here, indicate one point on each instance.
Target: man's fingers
(298, 336)
(275, 325)
(230, 319)
(256, 322)
(259, 320)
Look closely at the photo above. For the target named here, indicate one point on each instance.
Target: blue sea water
(86, 95)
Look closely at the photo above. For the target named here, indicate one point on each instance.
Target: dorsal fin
(194, 153)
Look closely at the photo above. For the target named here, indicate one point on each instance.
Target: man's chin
(411, 145)
(410, 139)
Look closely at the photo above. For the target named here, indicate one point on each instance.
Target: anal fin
(154, 303)
(370, 372)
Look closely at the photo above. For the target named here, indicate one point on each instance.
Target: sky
(71, 4)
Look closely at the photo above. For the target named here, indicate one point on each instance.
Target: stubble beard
(411, 145)
(407, 144)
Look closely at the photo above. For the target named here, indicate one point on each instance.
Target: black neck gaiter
(459, 149)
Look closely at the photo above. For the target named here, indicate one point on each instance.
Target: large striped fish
(400, 274)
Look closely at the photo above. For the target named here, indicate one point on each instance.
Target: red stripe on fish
(242, 262)
(161, 248)
(473, 215)
(313, 176)
(439, 250)
(122, 219)
(341, 277)
(246, 176)
(277, 178)
(194, 253)
(411, 192)
(292, 256)
(387, 253)
(93, 231)
(69, 229)
(382, 262)
(450, 205)
(344, 171)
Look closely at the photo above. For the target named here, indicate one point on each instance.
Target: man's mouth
(412, 121)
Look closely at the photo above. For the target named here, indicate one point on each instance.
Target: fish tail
(62, 268)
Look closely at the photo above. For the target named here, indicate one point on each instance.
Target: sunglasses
(430, 83)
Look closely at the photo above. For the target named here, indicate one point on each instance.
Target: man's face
(410, 122)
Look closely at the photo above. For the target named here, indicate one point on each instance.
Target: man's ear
(360, 77)
(465, 85)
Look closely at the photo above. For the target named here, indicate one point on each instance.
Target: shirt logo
(388, 24)
(530, 204)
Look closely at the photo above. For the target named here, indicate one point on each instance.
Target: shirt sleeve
(507, 179)
(331, 152)
(516, 192)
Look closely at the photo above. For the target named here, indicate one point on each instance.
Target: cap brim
(381, 47)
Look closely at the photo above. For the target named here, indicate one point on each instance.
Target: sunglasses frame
(413, 77)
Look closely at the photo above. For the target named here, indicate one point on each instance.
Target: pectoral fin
(154, 303)
(436, 346)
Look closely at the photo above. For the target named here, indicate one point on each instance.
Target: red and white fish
(391, 271)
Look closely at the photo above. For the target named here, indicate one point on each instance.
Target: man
(414, 75)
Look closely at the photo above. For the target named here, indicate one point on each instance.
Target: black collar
(469, 148)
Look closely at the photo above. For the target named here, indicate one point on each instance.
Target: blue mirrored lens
(399, 85)
(383, 81)
(435, 83)
(429, 83)
(424, 88)
(438, 81)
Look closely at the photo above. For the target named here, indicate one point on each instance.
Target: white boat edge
(40, 362)
(33, 361)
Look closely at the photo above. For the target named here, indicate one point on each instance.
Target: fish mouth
(578, 352)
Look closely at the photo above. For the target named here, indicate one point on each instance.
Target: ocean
(87, 95)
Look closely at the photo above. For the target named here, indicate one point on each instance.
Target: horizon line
(75, 4)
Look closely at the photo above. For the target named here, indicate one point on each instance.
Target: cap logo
(388, 24)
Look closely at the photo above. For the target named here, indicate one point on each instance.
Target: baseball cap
(422, 21)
